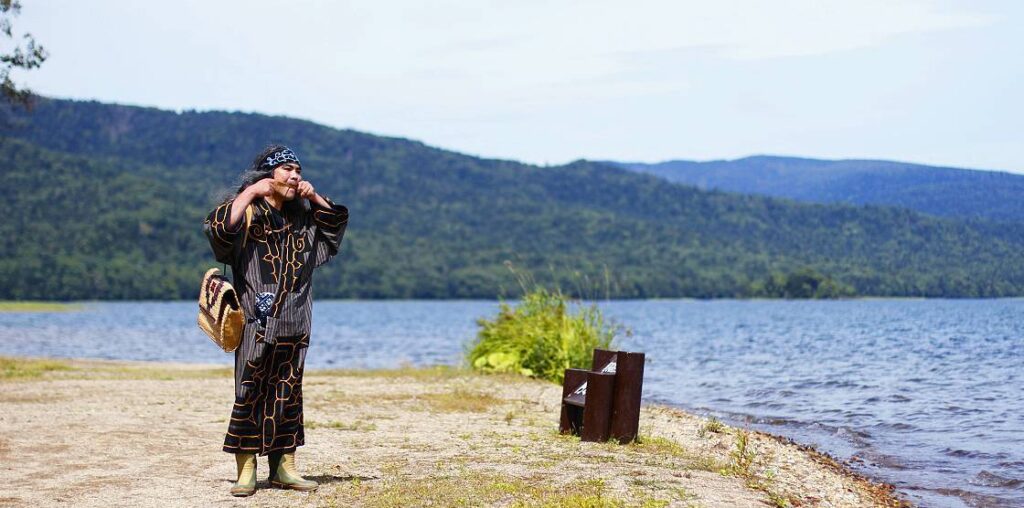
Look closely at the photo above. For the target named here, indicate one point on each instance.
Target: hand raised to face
(306, 190)
(263, 188)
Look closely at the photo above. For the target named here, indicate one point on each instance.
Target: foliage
(946, 192)
(713, 425)
(803, 283)
(28, 306)
(742, 456)
(18, 368)
(30, 56)
(110, 201)
(540, 336)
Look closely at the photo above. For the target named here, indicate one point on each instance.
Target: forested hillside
(947, 192)
(108, 202)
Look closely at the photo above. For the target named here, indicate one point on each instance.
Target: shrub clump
(540, 337)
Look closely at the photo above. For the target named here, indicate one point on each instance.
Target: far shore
(13, 306)
(102, 433)
(39, 306)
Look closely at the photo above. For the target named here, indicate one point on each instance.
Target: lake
(924, 394)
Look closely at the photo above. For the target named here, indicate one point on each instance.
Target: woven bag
(220, 312)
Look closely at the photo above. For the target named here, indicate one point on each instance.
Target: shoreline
(378, 437)
(33, 306)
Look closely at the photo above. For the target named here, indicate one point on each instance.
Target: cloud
(549, 80)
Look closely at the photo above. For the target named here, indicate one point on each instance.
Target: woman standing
(272, 249)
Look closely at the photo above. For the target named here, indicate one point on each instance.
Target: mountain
(106, 202)
(942, 191)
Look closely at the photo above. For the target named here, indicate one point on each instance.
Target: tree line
(110, 201)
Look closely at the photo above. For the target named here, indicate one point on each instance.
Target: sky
(547, 82)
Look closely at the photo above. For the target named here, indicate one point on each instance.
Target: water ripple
(923, 394)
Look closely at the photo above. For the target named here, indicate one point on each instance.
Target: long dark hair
(253, 174)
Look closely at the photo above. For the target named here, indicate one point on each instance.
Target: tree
(29, 56)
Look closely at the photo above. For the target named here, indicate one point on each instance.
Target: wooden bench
(605, 402)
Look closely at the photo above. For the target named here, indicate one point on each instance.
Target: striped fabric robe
(273, 273)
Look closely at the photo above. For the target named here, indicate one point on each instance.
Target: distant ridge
(107, 202)
(943, 191)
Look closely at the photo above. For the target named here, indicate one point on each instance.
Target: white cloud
(529, 79)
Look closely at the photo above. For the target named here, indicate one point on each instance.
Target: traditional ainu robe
(273, 269)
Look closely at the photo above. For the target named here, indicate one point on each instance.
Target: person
(289, 230)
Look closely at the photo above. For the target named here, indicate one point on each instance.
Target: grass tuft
(742, 456)
(742, 459)
(431, 373)
(712, 426)
(468, 488)
(157, 372)
(358, 425)
(461, 400)
(25, 368)
(658, 445)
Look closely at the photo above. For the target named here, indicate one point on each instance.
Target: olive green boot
(284, 476)
(246, 484)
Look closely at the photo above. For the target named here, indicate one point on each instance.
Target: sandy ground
(140, 434)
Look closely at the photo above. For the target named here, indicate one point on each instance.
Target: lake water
(927, 393)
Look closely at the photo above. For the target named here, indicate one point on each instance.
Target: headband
(279, 157)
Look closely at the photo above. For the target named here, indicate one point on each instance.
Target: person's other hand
(306, 190)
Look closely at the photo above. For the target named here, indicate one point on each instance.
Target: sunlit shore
(39, 306)
(400, 437)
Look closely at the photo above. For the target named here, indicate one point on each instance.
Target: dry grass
(25, 306)
(24, 368)
(358, 425)
(16, 397)
(461, 400)
(433, 373)
(14, 368)
(352, 398)
(486, 489)
(164, 374)
(658, 445)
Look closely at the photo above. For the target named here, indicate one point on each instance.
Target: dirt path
(136, 434)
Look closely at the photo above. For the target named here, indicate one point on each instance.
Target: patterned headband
(279, 157)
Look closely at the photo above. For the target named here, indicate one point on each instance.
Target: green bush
(540, 337)
(803, 283)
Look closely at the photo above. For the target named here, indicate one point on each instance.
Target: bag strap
(248, 221)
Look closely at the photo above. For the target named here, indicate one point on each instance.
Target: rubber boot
(246, 484)
(284, 476)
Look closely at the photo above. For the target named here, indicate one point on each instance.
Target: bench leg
(597, 412)
(572, 416)
(629, 384)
